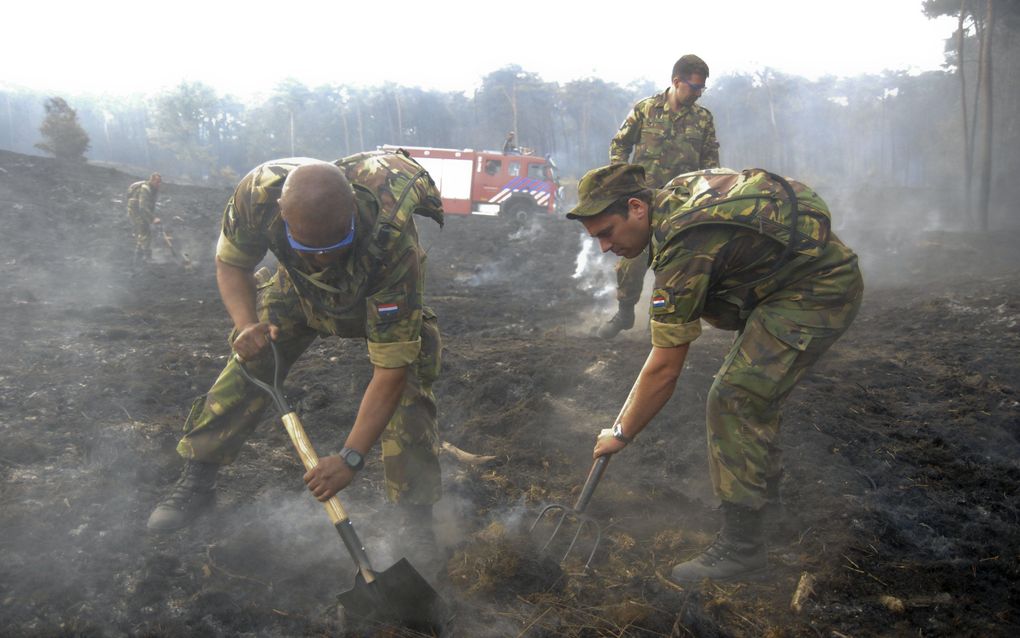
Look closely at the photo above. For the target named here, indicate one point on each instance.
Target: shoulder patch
(662, 303)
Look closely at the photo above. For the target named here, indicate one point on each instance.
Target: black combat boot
(737, 552)
(622, 320)
(193, 492)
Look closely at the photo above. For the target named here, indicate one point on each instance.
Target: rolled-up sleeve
(230, 254)
(682, 278)
(243, 240)
(396, 354)
(671, 335)
(393, 313)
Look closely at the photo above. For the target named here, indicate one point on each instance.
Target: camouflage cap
(600, 187)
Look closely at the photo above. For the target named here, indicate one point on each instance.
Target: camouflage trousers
(223, 419)
(630, 278)
(781, 339)
(143, 236)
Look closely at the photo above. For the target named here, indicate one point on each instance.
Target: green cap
(600, 187)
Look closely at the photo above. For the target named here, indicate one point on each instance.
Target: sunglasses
(319, 250)
(694, 87)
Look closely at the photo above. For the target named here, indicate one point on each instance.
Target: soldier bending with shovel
(350, 266)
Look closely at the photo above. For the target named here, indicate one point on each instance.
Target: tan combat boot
(738, 550)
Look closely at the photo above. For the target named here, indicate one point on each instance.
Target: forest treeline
(885, 143)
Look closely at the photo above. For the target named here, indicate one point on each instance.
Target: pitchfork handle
(598, 468)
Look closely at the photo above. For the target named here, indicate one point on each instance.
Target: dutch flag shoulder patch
(662, 302)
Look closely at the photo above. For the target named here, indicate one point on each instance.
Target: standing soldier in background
(669, 135)
(350, 266)
(750, 252)
(141, 208)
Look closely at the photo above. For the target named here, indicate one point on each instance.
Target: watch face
(354, 459)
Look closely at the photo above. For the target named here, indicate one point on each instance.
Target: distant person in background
(667, 134)
(724, 250)
(509, 146)
(141, 208)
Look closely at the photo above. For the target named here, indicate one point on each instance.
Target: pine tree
(63, 136)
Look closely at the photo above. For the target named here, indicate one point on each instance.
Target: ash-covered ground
(901, 448)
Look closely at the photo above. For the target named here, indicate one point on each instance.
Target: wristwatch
(618, 433)
(352, 458)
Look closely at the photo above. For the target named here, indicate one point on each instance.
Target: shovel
(398, 595)
(167, 239)
(181, 258)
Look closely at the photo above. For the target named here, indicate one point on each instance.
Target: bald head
(317, 203)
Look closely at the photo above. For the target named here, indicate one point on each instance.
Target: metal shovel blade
(398, 595)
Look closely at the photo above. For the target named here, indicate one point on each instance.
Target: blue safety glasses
(694, 87)
(319, 250)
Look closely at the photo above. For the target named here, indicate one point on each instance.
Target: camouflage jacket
(721, 243)
(664, 141)
(376, 290)
(141, 201)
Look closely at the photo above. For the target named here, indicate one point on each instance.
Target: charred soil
(901, 447)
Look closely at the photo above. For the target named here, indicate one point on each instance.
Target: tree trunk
(777, 143)
(292, 153)
(967, 166)
(347, 132)
(10, 123)
(585, 150)
(985, 185)
(513, 103)
(512, 98)
(361, 127)
(400, 117)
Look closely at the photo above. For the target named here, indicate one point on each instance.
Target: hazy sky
(247, 47)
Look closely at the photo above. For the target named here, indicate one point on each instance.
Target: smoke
(481, 275)
(530, 230)
(593, 270)
(595, 274)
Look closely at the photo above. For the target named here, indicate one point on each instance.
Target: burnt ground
(902, 449)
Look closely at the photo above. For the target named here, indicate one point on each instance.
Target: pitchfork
(598, 468)
(577, 511)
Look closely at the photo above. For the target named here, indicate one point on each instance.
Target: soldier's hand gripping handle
(253, 338)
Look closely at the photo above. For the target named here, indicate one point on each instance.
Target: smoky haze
(885, 151)
(101, 363)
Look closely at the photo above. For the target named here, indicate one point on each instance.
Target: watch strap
(345, 454)
(618, 433)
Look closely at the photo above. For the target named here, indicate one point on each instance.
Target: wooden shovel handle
(304, 448)
(336, 511)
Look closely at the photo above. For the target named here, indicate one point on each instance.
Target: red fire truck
(489, 182)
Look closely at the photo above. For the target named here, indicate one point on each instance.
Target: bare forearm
(237, 290)
(652, 390)
(382, 396)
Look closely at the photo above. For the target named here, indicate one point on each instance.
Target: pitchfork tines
(583, 521)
